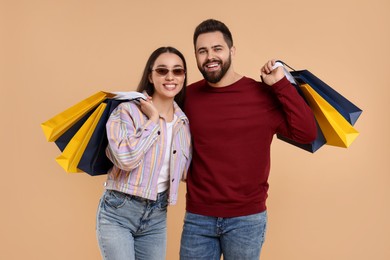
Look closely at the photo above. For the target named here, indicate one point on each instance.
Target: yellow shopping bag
(70, 157)
(336, 129)
(57, 125)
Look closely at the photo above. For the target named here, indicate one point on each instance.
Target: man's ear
(233, 50)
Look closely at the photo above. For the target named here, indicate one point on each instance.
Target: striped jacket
(136, 146)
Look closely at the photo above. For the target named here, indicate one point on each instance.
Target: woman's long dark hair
(146, 85)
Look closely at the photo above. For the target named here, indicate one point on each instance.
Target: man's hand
(269, 75)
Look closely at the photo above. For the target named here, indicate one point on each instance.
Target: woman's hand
(149, 109)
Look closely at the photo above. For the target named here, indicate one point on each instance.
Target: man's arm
(300, 124)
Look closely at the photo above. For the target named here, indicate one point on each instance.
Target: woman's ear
(150, 78)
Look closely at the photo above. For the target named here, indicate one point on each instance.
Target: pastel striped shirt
(136, 146)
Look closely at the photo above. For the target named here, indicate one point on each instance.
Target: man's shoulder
(246, 83)
(195, 87)
(248, 80)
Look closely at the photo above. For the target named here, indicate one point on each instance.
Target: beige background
(333, 204)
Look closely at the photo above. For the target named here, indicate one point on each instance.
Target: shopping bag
(63, 140)
(336, 129)
(113, 99)
(345, 107)
(94, 160)
(57, 125)
(71, 155)
(83, 141)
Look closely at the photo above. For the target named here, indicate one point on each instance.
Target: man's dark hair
(212, 25)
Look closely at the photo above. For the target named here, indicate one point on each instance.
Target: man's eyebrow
(212, 47)
(201, 48)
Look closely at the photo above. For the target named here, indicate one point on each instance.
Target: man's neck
(227, 80)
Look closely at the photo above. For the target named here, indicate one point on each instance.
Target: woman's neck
(164, 107)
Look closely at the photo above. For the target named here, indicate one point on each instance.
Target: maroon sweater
(232, 129)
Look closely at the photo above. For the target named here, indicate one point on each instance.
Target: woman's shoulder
(128, 107)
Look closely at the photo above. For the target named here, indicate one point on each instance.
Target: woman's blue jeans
(208, 238)
(130, 227)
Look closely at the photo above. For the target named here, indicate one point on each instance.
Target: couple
(232, 120)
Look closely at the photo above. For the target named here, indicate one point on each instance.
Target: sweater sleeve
(129, 136)
(299, 124)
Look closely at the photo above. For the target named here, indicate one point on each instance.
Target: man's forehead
(210, 40)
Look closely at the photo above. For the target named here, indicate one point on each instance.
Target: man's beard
(216, 76)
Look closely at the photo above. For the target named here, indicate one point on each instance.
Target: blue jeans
(235, 238)
(130, 227)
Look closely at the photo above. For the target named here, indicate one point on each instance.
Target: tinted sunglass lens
(178, 72)
(162, 71)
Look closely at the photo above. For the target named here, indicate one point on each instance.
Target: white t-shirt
(163, 178)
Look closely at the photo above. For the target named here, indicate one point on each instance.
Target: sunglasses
(164, 71)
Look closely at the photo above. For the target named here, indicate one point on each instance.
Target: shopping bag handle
(279, 63)
(285, 64)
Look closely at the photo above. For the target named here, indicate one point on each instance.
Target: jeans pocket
(115, 199)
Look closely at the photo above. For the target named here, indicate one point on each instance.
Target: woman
(150, 146)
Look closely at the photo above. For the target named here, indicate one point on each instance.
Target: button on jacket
(136, 146)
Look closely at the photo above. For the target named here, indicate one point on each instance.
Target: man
(233, 119)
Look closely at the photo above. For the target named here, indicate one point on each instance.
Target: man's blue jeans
(130, 227)
(235, 238)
